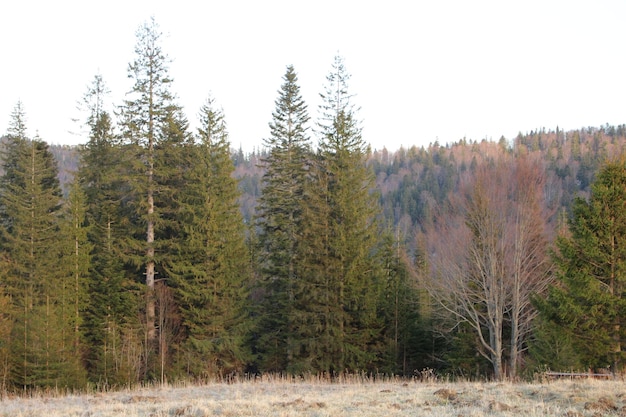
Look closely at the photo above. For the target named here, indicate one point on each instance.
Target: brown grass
(362, 398)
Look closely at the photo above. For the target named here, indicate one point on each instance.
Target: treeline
(419, 192)
(159, 254)
(142, 268)
(412, 182)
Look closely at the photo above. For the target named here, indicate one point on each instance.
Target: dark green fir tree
(588, 302)
(402, 335)
(110, 316)
(279, 218)
(211, 274)
(30, 203)
(341, 237)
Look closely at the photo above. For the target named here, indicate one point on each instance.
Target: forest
(153, 253)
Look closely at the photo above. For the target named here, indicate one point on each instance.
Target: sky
(421, 71)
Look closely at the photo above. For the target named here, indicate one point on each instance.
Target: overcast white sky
(421, 70)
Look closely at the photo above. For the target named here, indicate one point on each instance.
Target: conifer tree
(398, 307)
(589, 302)
(211, 272)
(174, 158)
(110, 313)
(341, 235)
(280, 213)
(145, 116)
(30, 200)
(75, 259)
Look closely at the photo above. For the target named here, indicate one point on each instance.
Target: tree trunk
(496, 346)
(150, 305)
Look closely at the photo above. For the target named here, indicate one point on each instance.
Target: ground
(362, 398)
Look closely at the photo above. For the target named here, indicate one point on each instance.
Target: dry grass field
(363, 398)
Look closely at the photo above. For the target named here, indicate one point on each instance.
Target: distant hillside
(66, 156)
(412, 181)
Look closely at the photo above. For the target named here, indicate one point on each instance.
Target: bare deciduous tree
(488, 256)
(527, 263)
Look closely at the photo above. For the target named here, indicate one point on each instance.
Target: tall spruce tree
(30, 202)
(341, 236)
(589, 300)
(75, 259)
(279, 219)
(211, 273)
(144, 116)
(173, 160)
(110, 314)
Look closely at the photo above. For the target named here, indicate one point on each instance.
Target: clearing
(364, 398)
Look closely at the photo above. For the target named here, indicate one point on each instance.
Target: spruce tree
(30, 202)
(145, 115)
(75, 259)
(398, 308)
(110, 314)
(279, 219)
(341, 233)
(589, 302)
(211, 272)
(174, 157)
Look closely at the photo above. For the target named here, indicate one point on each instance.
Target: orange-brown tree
(488, 256)
(527, 264)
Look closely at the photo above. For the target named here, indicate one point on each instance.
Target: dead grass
(362, 398)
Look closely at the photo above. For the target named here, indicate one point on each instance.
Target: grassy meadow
(362, 398)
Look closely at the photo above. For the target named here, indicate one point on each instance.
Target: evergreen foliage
(75, 262)
(399, 308)
(111, 312)
(151, 253)
(30, 202)
(211, 275)
(280, 221)
(588, 302)
(340, 239)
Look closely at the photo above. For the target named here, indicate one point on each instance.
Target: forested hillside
(412, 182)
(156, 253)
(418, 189)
